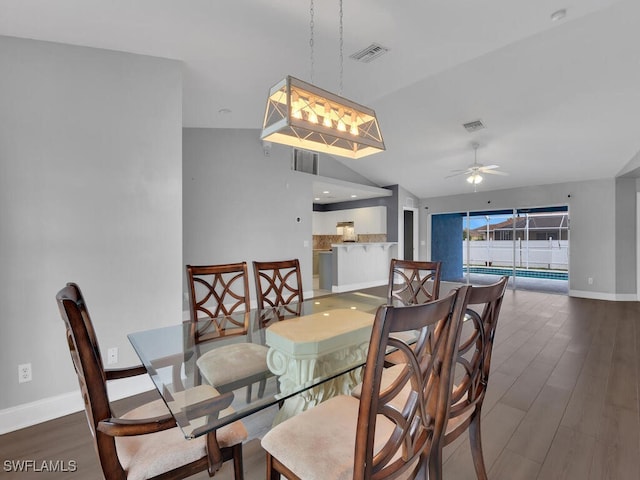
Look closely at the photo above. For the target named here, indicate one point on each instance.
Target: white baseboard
(613, 297)
(32, 413)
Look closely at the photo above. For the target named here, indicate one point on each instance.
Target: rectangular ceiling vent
(370, 53)
(473, 126)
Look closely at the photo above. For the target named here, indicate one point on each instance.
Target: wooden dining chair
(278, 284)
(375, 437)
(472, 366)
(413, 282)
(220, 308)
(144, 443)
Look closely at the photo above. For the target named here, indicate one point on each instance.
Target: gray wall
(626, 235)
(333, 168)
(601, 240)
(240, 205)
(90, 192)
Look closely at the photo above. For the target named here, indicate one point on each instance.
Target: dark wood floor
(562, 403)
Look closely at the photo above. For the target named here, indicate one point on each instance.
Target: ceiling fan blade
(489, 167)
(463, 172)
(495, 172)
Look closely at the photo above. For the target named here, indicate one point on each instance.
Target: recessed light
(224, 111)
(354, 196)
(317, 198)
(326, 191)
(558, 15)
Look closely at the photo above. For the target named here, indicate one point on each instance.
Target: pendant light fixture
(301, 115)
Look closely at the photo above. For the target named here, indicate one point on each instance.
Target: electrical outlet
(112, 355)
(24, 373)
(590, 280)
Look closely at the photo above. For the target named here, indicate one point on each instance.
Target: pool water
(528, 273)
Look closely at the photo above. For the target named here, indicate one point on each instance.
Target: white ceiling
(560, 100)
(328, 190)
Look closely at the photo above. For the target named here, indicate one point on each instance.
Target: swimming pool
(520, 272)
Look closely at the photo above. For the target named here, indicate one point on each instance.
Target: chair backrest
(473, 359)
(215, 293)
(278, 283)
(413, 282)
(85, 353)
(417, 401)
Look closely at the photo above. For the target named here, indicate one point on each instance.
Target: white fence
(553, 254)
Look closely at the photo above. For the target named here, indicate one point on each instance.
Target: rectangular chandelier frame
(302, 115)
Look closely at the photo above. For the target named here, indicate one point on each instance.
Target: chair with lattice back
(390, 431)
(471, 369)
(412, 282)
(220, 308)
(145, 442)
(279, 285)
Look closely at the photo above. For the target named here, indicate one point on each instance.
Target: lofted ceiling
(559, 99)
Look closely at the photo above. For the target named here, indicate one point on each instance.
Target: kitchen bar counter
(361, 265)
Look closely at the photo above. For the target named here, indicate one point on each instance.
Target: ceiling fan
(476, 170)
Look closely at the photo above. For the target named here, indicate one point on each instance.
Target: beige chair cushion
(145, 456)
(388, 376)
(230, 363)
(319, 444)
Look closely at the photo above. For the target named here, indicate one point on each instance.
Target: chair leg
(272, 473)
(475, 439)
(261, 388)
(434, 463)
(238, 467)
(249, 393)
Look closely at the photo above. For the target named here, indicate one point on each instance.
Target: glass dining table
(295, 356)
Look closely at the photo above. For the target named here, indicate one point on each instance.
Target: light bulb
(341, 126)
(474, 178)
(312, 117)
(354, 125)
(327, 115)
(295, 105)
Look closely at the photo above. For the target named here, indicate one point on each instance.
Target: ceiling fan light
(474, 178)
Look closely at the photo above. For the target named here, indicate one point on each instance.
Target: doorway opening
(410, 231)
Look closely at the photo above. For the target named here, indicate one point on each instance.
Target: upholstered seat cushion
(388, 375)
(230, 363)
(144, 456)
(319, 444)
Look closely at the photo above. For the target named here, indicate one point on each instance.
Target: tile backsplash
(323, 242)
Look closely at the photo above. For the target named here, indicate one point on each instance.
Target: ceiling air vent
(370, 53)
(473, 126)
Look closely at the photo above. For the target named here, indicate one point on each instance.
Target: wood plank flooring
(562, 403)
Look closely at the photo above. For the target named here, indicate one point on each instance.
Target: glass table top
(216, 371)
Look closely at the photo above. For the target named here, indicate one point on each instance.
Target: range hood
(347, 230)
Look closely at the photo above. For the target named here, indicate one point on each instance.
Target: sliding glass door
(529, 245)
